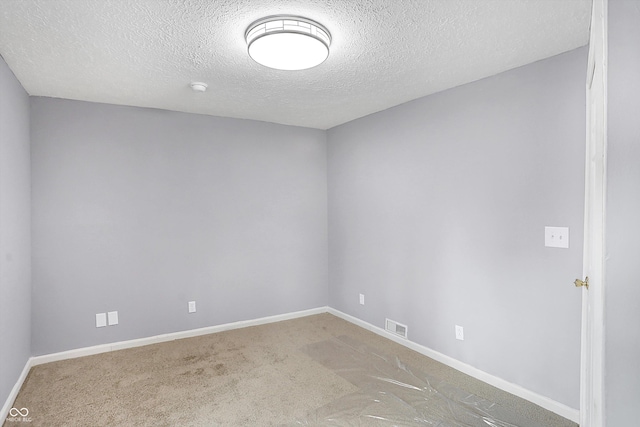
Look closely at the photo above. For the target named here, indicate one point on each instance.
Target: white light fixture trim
(288, 42)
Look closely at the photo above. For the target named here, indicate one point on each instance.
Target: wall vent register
(396, 328)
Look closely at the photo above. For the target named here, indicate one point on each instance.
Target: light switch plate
(113, 318)
(556, 237)
(101, 320)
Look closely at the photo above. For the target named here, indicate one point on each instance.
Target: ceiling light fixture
(288, 42)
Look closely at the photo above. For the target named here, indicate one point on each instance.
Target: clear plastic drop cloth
(393, 394)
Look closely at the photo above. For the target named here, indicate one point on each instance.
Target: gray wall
(15, 231)
(437, 211)
(622, 350)
(141, 211)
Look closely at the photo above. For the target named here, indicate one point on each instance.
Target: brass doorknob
(580, 283)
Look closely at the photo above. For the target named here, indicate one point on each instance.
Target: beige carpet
(309, 371)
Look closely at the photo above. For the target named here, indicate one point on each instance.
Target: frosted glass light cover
(288, 43)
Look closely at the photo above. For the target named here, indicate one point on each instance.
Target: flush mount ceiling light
(288, 42)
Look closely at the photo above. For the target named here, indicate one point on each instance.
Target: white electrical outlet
(101, 320)
(113, 318)
(556, 237)
(459, 333)
(361, 299)
(192, 306)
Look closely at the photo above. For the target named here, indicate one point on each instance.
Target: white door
(592, 363)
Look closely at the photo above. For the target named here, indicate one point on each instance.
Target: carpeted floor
(316, 370)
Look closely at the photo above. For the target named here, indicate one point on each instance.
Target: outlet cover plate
(101, 320)
(192, 306)
(459, 333)
(361, 299)
(113, 318)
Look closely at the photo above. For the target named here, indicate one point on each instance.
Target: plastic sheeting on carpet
(393, 394)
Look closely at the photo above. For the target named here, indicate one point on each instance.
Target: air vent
(396, 328)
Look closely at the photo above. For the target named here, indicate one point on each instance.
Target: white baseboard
(121, 345)
(8, 404)
(548, 404)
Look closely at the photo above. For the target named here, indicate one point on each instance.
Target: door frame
(593, 299)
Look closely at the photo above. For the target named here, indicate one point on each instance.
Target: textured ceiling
(384, 52)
